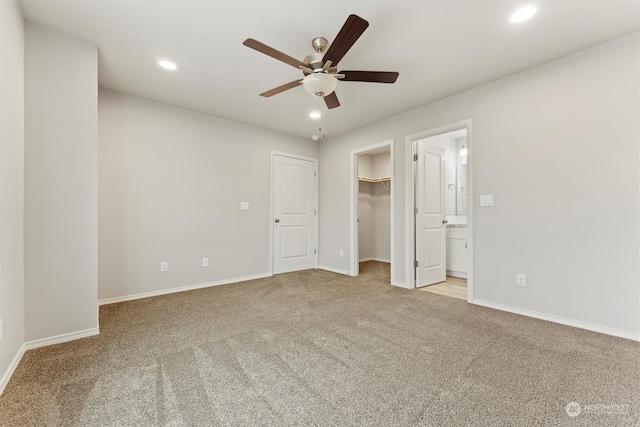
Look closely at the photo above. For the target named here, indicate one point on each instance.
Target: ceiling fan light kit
(320, 68)
(320, 84)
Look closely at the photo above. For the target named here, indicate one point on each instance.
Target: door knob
(444, 221)
(277, 220)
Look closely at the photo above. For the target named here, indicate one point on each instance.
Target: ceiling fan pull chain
(324, 118)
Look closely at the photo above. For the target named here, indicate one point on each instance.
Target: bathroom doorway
(441, 226)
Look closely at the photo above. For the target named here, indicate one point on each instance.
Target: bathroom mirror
(461, 193)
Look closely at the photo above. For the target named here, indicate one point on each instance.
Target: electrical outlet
(164, 267)
(341, 253)
(0, 329)
(205, 262)
(521, 280)
(244, 206)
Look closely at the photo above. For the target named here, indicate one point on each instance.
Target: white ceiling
(439, 47)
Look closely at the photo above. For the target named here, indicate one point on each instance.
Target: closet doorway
(372, 208)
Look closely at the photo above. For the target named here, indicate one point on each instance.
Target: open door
(431, 254)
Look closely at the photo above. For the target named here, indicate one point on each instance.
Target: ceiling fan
(320, 68)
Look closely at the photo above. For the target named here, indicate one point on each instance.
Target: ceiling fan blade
(331, 100)
(350, 32)
(263, 48)
(369, 76)
(282, 88)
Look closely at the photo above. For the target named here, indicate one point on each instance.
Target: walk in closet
(374, 206)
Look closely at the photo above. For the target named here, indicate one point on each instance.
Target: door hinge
(415, 157)
(315, 173)
(415, 263)
(315, 212)
(415, 210)
(315, 251)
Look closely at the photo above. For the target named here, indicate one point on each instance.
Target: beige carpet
(318, 348)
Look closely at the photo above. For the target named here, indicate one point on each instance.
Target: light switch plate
(244, 206)
(486, 200)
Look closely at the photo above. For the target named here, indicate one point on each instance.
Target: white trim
(61, 338)
(181, 289)
(372, 258)
(401, 285)
(293, 156)
(561, 320)
(12, 367)
(409, 147)
(354, 205)
(271, 219)
(333, 270)
(458, 274)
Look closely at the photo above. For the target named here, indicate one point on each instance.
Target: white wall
(381, 227)
(365, 166)
(11, 183)
(381, 164)
(61, 191)
(558, 147)
(171, 182)
(366, 249)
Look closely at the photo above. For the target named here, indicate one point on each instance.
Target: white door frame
(355, 253)
(410, 171)
(271, 218)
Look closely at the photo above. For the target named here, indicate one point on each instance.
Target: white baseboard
(402, 285)
(458, 274)
(12, 367)
(62, 338)
(560, 320)
(42, 343)
(388, 261)
(334, 270)
(181, 289)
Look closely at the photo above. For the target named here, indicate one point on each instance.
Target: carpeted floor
(318, 348)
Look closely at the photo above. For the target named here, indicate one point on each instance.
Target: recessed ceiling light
(314, 115)
(167, 65)
(524, 13)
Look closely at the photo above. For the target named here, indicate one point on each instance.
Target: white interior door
(430, 217)
(294, 214)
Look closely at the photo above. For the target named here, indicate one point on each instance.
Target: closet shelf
(380, 180)
(365, 179)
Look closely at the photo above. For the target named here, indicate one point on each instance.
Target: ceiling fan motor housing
(314, 60)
